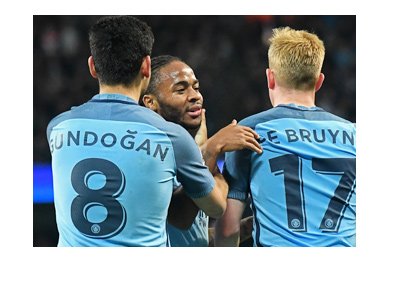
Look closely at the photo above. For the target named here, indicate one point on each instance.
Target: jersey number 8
(109, 215)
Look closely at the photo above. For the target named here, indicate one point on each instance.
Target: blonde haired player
(303, 185)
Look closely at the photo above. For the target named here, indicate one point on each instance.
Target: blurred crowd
(227, 53)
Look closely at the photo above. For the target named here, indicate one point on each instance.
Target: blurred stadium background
(227, 53)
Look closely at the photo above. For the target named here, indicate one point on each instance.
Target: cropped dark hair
(156, 64)
(118, 45)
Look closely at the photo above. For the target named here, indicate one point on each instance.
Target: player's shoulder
(294, 112)
(334, 117)
(56, 120)
(78, 111)
(253, 120)
(324, 115)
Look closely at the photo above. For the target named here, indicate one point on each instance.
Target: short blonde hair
(296, 58)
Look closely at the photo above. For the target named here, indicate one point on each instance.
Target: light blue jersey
(195, 236)
(113, 164)
(303, 185)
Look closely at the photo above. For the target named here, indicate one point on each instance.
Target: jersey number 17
(290, 166)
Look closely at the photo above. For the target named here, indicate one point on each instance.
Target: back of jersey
(113, 170)
(303, 186)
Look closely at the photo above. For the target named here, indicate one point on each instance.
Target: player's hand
(236, 137)
(201, 135)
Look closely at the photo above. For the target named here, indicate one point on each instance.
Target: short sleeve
(237, 172)
(192, 173)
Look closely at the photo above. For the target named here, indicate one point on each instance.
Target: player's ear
(92, 68)
(150, 101)
(145, 68)
(270, 78)
(320, 80)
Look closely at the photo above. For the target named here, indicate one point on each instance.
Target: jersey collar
(113, 97)
(301, 107)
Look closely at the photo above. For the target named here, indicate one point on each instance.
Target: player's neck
(298, 97)
(132, 91)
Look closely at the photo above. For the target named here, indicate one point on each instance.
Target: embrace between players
(301, 192)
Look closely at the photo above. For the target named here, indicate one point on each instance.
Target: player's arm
(182, 210)
(228, 227)
(246, 227)
(230, 138)
(237, 174)
(197, 181)
(220, 184)
(214, 203)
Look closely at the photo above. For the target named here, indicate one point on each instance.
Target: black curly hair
(118, 45)
(156, 64)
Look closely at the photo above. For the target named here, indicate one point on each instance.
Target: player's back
(113, 169)
(303, 187)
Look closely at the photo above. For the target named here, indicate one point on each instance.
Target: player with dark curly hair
(174, 93)
(114, 162)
